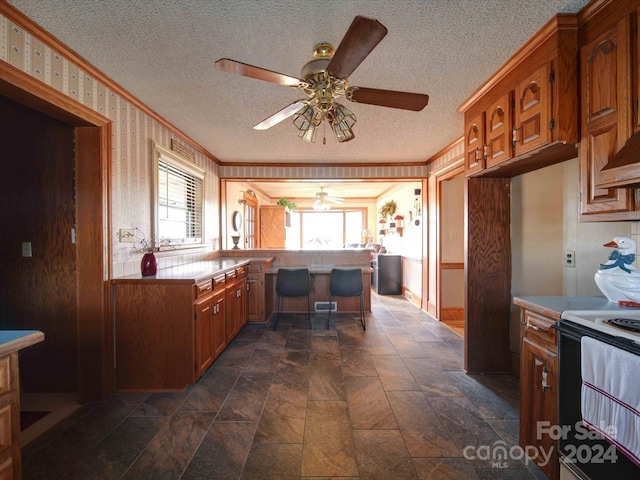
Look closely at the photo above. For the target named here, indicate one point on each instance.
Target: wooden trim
(93, 153)
(332, 165)
(452, 266)
(560, 22)
(452, 314)
(17, 17)
(444, 151)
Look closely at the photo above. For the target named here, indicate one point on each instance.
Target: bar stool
(292, 283)
(346, 283)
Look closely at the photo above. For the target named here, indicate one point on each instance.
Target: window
(177, 212)
(332, 228)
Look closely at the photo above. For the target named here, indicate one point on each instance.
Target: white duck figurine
(618, 279)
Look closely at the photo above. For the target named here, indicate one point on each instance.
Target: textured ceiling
(163, 52)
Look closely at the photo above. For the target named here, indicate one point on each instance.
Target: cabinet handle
(545, 385)
(533, 327)
(248, 287)
(478, 156)
(486, 152)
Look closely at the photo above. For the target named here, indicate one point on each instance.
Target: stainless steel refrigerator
(387, 274)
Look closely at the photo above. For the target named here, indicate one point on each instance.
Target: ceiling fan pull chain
(324, 133)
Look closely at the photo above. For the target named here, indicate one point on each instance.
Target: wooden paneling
(487, 275)
(155, 336)
(37, 205)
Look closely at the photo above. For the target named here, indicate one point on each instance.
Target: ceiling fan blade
(361, 38)
(281, 115)
(388, 98)
(239, 68)
(335, 199)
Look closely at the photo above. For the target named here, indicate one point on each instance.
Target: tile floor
(388, 403)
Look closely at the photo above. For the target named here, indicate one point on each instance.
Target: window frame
(187, 168)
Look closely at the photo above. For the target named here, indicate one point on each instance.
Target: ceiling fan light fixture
(321, 204)
(305, 120)
(341, 123)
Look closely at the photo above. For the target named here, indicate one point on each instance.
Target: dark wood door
(37, 211)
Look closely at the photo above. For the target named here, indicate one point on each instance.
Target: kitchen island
(11, 342)
(320, 263)
(169, 328)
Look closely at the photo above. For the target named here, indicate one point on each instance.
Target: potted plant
(398, 219)
(283, 202)
(388, 209)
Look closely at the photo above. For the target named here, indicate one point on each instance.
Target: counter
(11, 341)
(196, 272)
(553, 306)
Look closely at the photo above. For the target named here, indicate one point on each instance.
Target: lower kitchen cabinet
(255, 289)
(538, 389)
(168, 332)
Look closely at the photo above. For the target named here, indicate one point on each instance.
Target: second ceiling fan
(325, 78)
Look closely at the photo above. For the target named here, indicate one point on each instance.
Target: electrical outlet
(127, 235)
(569, 258)
(26, 249)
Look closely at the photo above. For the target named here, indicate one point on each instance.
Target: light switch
(26, 249)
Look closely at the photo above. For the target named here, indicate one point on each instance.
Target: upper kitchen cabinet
(525, 116)
(610, 145)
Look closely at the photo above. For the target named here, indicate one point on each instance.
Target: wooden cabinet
(11, 341)
(273, 222)
(168, 332)
(525, 116)
(255, 289)
(204, 333)
(538, 387)
(219, 323)
(236, 316)
(606, 63)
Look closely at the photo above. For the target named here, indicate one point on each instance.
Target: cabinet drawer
(6, 469)
(203, 289)
(219, 281)
(5, 370)
(5, 427)
(241, 272)
(231, 276)
(538, 327)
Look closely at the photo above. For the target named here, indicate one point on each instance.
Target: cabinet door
(241, 304)
(605, 65)
(474, 145)
(219, 328)
(498, 118)
(254, 301)
(538, 385)
(204, 334)
(230, 316)
(532, 126)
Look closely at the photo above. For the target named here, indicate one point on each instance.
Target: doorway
(450, 282)
(37, 251)
(91, 348)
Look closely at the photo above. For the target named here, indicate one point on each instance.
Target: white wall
(544, 223)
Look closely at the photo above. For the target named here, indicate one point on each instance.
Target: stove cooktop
(612, 322)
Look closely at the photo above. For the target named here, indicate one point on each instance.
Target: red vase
(149, 265)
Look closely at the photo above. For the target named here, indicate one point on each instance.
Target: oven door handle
(534, 327)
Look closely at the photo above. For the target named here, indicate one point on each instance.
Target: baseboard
(452, 314)
(414, 298)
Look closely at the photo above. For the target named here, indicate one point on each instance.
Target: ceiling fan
(323, 200)
(324, 79)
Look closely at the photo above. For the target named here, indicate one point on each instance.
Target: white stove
(599, 320)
